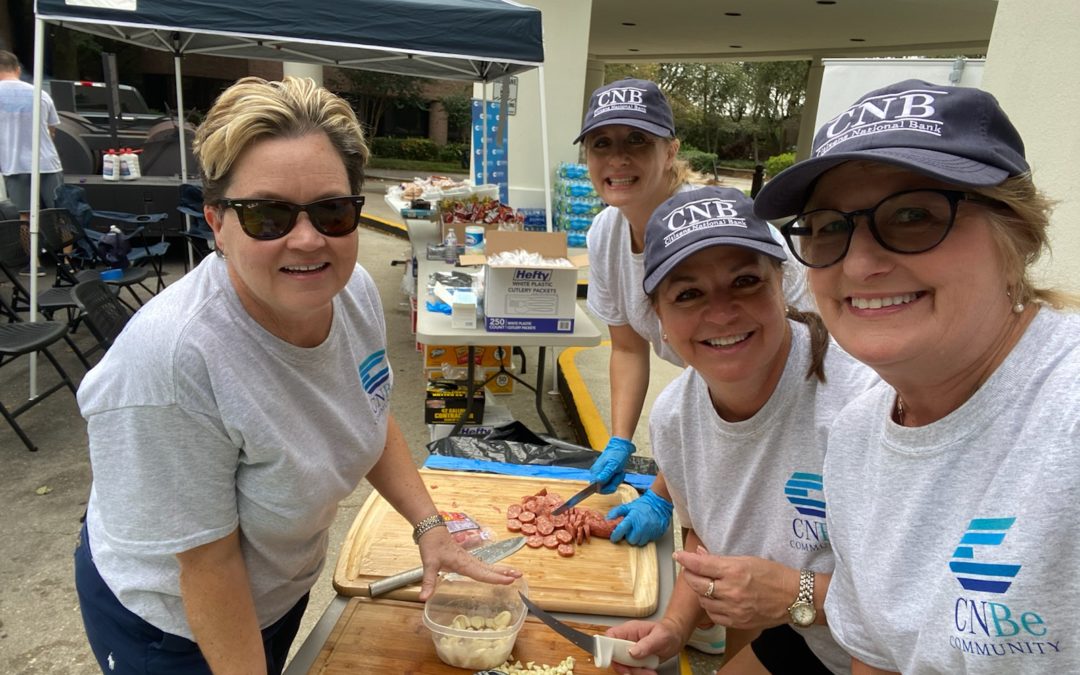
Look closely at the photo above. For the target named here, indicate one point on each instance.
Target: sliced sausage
(513, 524)
(535, 541)
(528, 528)
(513, 510)
(551, 541)
(566, 550)
(526, 516)
(563, 536)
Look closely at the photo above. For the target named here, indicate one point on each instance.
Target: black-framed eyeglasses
(273, 218)
(912, 221)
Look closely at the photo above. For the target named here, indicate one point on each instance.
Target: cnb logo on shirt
(805, 491)
(701, 214)
(985, 624)
(375, 379)
(911, 110)
(621, 99)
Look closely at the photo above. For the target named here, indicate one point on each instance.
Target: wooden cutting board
(601, 578)
(389, 636)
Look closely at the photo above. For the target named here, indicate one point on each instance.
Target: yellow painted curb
(384, 225)
(592, 423)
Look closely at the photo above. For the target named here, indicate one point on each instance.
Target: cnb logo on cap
(911, 110)
(621, 99)
(699, 215)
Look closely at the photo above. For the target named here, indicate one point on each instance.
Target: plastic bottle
(124, 164)
(131, 162)
(451, 253)
(108, 165)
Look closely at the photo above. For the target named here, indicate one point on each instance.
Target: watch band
(806, 587)
(426, 524)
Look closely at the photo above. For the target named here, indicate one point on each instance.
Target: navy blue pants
(124, 644)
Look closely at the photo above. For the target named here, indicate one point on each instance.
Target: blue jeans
(124, 644)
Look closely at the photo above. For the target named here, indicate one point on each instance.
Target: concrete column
(311, 70)
(594, 79)
(1031, 69)
(566, 42)
(809, 114)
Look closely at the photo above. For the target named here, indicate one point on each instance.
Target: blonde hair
(254, 109)
(1019, 228)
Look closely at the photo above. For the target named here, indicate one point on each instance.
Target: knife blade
(489, 553)
(590, 489)
(604, 649)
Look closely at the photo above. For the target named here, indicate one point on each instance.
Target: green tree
(371, 93)
(458, 109)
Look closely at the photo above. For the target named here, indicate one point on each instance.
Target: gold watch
(802, 610)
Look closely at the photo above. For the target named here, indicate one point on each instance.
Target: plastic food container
(473, 624)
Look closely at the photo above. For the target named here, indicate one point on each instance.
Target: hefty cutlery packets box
(532, 298)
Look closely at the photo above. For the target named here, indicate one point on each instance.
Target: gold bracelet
(426, 524)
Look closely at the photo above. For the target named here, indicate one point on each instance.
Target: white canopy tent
(473, 40)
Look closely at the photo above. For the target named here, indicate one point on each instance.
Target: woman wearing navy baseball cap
(951, 486)
(740, 438)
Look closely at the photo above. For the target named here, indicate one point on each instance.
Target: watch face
(802, 614)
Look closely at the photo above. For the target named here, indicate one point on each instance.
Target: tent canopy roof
(450, 39)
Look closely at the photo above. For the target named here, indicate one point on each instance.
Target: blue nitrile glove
(609, 469)
(645, 519)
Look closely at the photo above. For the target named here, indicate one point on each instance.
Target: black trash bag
(514, 443)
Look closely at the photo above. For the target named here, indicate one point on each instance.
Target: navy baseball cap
(635, 103)
(698, 219)
(959, 135)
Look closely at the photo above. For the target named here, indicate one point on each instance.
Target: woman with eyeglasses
(951, 485)
(740, 436)
(243, 403)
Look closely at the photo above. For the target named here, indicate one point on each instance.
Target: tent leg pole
(183, 150)
(544, 152)
(35, 184)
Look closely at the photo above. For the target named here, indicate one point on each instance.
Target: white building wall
(1031, 68)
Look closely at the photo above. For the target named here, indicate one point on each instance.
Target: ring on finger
(709, 589)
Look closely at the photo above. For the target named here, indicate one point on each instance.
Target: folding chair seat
(105, 314)
(14, 257)
(67, 245)
(21, 339)
(199, 235)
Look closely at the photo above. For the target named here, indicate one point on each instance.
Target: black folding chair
(20, 339)
(14, 257)
(199, 234)
(104, 313)
(76, 257)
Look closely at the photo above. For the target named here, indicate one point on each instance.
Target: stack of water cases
(575, 201)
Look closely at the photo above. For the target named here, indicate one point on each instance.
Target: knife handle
(396, 581)
(607, 649)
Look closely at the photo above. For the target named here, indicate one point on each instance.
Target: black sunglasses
(272, 218)
(912, 221)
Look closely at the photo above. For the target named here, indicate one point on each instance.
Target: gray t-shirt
(200, 421)
(955, 543)
(616, 273)
(753, 488)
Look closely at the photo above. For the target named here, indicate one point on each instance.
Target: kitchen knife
(590, 489)
(604, 649)
(489, 553)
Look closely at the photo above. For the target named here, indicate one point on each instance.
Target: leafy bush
(778, 163)
(382, 146)
(452, 152)
(698, 160)
(419, 148)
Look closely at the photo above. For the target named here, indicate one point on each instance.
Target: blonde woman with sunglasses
(243, 403)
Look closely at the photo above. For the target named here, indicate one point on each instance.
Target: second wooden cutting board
(601, 577)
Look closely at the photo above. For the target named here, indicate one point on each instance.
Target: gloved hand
(644, 519)
(609, 469)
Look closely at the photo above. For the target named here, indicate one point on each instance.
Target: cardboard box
(458, 355)
(446, 402)
(529, 299)
(500, 385)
